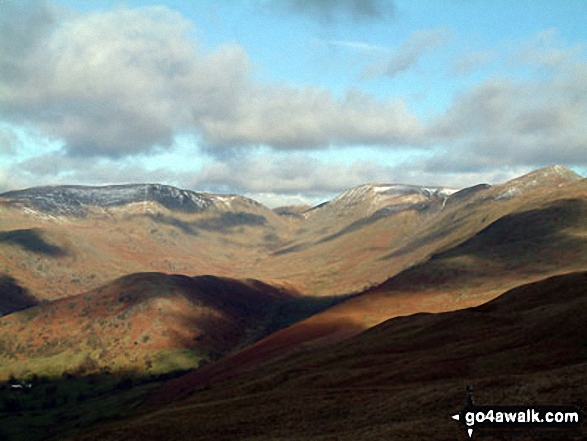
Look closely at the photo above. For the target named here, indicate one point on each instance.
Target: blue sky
(290, 101)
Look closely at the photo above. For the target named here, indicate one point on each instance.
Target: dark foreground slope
(401, 380)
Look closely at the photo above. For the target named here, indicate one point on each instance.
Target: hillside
(60, 241)
(148, 323)
(399, 380)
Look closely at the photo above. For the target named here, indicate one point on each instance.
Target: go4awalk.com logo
(538, 420)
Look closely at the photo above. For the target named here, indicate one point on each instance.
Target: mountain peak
(553, 174)
(557, 170)
(383, 194)
(546, 177)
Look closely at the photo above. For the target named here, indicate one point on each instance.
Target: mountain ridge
(71, 199)
(74, 199)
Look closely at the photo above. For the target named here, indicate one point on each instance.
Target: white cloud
(112, 86)
(120, 82)
(292, 175)
(546, 50)
(470, 61)
(58, 168)
(502, 122)
(290, 118)
(9, 141)
(358, 45)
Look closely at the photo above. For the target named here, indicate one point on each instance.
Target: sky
(290, 101)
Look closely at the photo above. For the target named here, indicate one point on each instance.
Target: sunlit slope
(402, 379)
(147, 323)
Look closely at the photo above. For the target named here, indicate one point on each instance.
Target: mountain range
(361, 318)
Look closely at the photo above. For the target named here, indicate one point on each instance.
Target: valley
(362, 318)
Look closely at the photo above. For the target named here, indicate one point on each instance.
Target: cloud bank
(116, 86)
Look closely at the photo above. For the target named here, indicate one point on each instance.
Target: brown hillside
(149, 322)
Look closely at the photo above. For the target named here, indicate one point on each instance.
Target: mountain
(367, 199)
(402, 379)
(514, 250)
(59, 241)
(349, 247)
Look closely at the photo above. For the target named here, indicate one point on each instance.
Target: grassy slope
(400, 380)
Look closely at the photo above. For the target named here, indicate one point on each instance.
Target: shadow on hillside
(31, 240)
(378, 215)
(517, 237)
(273, 350)
(70, 402)
(223, 223)
(526, 237)
(185, 227)
(240, 314)
(436, 234)
(13, 297)
(535, 241)
(355, 226)
(226, 221)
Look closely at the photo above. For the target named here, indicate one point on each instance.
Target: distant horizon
(289, 102)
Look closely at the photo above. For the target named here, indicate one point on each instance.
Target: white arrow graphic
(470, 432)
(456, 417)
